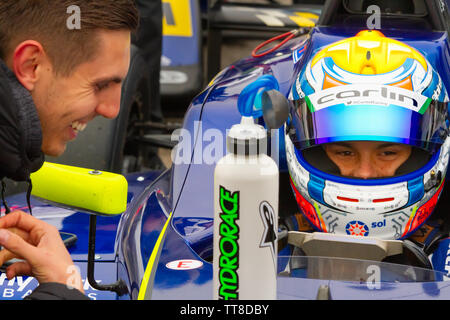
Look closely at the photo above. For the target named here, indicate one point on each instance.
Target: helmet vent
(383, 200)
(347, 199)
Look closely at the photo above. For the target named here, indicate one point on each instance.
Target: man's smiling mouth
(78, 126)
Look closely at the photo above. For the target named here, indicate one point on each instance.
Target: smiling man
(72, 75)
(66, 104)
(53, 81)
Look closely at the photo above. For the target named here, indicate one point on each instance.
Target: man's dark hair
(46, 21)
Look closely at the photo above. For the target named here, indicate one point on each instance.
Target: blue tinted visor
(426, 129)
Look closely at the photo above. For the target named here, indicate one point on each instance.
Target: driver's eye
(344, 153)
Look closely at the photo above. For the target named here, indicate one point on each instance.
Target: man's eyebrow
(107, 80)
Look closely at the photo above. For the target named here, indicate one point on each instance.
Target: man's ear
(28, 57)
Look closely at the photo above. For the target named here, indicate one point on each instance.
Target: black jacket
(20, 155)
(20, 129)
(55, 291)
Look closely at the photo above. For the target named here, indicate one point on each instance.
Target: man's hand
(6, 255)
(40, 245)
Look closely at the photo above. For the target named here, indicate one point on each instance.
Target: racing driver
(367, 141)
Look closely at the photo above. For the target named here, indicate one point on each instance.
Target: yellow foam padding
(81, 188)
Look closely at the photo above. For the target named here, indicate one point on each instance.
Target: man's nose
(109, 107)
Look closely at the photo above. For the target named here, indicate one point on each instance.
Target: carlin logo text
(228, 245)
(348, 94)
(355, 94)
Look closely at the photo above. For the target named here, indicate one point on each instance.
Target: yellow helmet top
(369, 53)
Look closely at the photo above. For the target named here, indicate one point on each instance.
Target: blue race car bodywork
(161, 247)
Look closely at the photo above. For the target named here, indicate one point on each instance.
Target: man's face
(367, 159)
(66, 104)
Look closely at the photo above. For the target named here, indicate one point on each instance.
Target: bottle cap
(247, 138)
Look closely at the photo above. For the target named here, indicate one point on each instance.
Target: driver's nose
(365, 169)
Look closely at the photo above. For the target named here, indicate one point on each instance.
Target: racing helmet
(367, 88)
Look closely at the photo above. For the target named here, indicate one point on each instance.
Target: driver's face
(367, 159)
